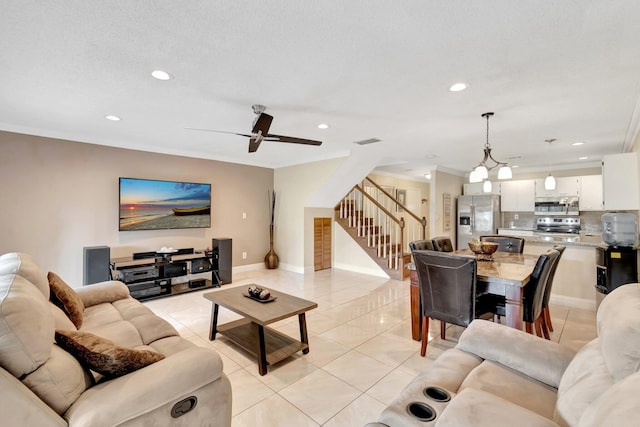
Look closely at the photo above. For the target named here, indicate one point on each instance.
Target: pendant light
(481, 171)
(550, 181)
(487, 186)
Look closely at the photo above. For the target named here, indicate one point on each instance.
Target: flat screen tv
(147, 204)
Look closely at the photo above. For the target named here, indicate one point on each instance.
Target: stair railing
(415, 227)
(377, 224)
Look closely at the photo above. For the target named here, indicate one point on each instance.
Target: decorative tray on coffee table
(271, 298)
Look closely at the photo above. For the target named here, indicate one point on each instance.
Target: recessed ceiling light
(575, 144)
(427, 175)
(515, 166)
(161, 75)
(112, 118)
(323, 126)
(457, 87)
(583, 158)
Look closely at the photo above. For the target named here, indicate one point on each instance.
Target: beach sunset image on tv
(159, 205)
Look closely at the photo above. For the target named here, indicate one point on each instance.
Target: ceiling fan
(260, 131)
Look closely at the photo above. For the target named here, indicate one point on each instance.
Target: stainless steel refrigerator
(477, 216)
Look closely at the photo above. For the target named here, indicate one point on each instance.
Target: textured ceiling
(568, 70)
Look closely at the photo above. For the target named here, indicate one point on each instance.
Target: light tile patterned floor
(361, 357)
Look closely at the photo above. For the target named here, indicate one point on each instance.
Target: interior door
(321, 243)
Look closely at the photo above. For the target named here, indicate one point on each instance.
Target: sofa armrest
(125, 398)
(102, 292)
(477, 408)
(535, 357)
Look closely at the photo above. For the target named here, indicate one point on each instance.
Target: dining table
(503, 273)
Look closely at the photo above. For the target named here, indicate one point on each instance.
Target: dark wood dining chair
(507, 243)
(448, 291)
(547, 291)
(421, 245)
(442, 244)
(533, 294)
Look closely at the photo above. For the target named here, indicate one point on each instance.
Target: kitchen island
(575, 279)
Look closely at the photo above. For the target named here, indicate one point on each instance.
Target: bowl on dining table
(483, 248)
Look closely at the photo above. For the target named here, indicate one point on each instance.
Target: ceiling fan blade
(221, 131)
(291, 139)
(254, 143)
(262, 123)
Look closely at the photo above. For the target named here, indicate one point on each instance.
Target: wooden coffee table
(252, 333)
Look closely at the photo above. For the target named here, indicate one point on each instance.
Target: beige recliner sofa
(499, 376)
(43, 385)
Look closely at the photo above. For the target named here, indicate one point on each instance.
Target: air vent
(367, 141)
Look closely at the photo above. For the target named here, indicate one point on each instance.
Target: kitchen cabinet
(517, 196)
(476, 188)
(621, 188)
(590, 193)
(565, 186)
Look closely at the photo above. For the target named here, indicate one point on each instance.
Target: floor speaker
(221, 261)
(95, 267)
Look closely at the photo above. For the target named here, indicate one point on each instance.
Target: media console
(154, 274)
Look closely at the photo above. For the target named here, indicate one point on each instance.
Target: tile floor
(361, 351)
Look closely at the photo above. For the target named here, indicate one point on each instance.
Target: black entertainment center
(158, 274)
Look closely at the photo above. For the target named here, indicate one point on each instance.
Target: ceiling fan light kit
(481, 172)
(260, 131)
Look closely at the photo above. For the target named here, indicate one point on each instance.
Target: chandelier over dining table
(481, 171)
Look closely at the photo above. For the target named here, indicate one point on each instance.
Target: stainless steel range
(564, 224)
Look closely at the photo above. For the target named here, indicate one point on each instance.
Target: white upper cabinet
(591, 193)
(517, 196)
(477, 189)
(565, 186)
(621, 188)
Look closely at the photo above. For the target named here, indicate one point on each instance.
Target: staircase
(370, 215)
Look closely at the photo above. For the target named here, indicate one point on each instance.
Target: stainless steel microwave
(551, 206)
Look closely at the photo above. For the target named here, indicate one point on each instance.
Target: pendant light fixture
(481, 171)
(550, 181)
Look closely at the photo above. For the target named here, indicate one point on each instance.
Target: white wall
(294, 186)
(60, 196)
(349, 256)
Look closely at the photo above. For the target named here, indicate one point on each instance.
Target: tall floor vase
(271, 260)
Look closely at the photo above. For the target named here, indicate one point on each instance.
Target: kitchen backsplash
(590, 222)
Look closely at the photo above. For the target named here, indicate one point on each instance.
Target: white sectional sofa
(498, 376)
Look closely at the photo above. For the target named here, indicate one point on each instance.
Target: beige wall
(60, 196)
(441, 183)
(294, 186)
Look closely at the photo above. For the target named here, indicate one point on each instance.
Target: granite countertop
(582, 239)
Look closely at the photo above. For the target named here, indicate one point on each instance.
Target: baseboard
(359, 269)
(248, 267)
(293, 268)
(583, 303)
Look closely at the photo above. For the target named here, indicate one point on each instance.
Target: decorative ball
(258, 292)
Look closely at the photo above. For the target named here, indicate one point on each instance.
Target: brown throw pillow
(66, 298)
(104, 356)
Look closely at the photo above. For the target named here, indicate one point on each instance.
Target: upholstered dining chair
(448, 291)
(547, 290)
(507, 243)
(442, 244)
(421, 245)
(534, 293)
